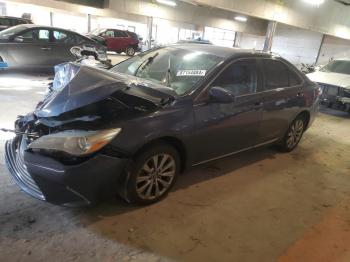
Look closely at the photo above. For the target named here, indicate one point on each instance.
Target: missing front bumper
(14, 150)
(47, 179)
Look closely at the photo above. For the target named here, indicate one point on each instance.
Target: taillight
(3, 64)
(318, 91)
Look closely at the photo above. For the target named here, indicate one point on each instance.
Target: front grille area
(18, 169)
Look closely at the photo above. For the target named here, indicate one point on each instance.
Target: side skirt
(239, 151)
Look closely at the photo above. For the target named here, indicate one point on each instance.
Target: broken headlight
(75, 142)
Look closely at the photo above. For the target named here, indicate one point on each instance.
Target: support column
(238, 39)
(150, 31)
(271, 29)
(89, 23)
(51, 18)
(3, 9)
(319, 50)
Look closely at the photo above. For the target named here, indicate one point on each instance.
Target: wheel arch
(306, 115)
(172, 141)
(89, 53)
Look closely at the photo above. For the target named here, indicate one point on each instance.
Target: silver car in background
(334, 80)
(33, 47)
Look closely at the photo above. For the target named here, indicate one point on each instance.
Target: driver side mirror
(218, 94)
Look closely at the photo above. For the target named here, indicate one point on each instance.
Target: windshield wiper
(168, 73)
(145, 63)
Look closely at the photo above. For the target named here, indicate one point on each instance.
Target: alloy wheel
(295, 133)
(156, 176)
(130, 51)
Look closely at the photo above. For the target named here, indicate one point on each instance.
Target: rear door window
(64, 37)
(118, 33)
(279, 75)
(276, 74)
(109, 33)
(294, 78)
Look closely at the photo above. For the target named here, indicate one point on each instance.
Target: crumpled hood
(90, 85)
(335, 79)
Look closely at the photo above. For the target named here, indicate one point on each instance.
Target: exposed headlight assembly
(75, 142)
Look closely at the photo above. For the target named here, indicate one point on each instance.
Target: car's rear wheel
(153, 174)
(294, 134)
(130, 51)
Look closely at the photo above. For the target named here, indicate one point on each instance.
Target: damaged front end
(61, 152)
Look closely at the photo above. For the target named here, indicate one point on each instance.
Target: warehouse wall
(187, 13)
(296, 45)
(249, 41)
(330, 18)
(332, 48)
(139, 10)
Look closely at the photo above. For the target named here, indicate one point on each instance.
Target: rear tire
(294, 134)
(153, 173)
(130, 51)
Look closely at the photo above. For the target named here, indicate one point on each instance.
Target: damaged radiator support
(33, 135)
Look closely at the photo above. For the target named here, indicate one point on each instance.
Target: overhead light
(167, 2)
(241, 18)
(314, 2)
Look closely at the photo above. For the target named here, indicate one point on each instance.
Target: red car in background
(118, 40)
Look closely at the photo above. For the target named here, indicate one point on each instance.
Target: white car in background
(334, 80)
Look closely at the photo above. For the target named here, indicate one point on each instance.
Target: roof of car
(14, 17)
(46, 26)
(221, 51)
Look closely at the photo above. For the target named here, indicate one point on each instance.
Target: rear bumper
(47, 179)
(313, 112)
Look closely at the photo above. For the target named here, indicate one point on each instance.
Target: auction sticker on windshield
(191, 73)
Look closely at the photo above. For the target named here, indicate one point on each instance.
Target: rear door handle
(258, 105)
(46, 48)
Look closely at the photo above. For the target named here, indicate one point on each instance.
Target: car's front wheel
(294, 134)
(130, 51)
(153, 174)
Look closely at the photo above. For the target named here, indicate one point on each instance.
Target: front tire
(153, 174)
(130, 51)
(294, 134)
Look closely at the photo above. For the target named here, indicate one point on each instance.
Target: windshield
(6, 34)
(177, 68)
(337, 66)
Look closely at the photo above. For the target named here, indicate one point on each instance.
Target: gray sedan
(32, 47)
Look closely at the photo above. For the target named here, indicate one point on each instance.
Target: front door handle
(46, 48)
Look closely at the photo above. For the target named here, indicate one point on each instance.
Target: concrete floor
(258, 206)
